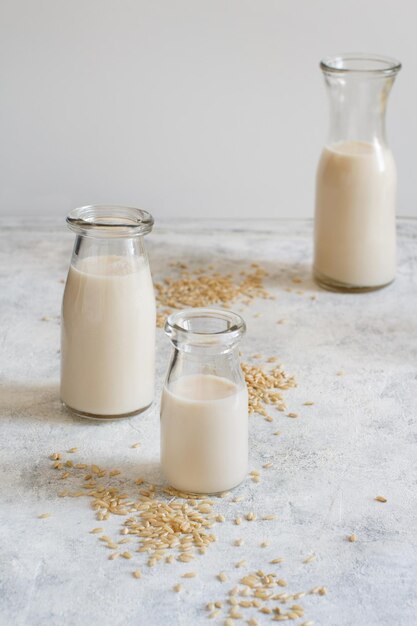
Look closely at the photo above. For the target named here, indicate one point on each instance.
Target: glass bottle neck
(357, 107)
(206, 363)
(205, 342)
(108, 247)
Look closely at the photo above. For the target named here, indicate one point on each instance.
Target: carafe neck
(358, 87)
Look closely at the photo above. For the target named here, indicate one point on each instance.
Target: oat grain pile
(205, 287)
(160, 525)
(264, 388)
(160, 522)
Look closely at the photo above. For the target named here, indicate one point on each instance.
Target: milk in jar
(204, 433)
(108, 315)
(204, 405)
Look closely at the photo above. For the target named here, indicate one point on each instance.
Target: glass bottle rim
(188, 326)
(106, 220)
(360, 63)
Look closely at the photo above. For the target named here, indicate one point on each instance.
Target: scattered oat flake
(222, 576)
(310, 558)
(308, 403)
(137, 573)
(277, 560)
(292, 414)
(380, 499)
(266, 610)
(44, 515)
(96, 531)
(269, 517)
(352, 538)
(126, 555)
(340, 373)
(267, 465)
(189, 575)
(177, 588)
(135, 445)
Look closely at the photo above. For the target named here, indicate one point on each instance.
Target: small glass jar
(356, 178)
(204, 408)
(108, 315)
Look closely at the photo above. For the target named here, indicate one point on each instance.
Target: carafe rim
(360, 63)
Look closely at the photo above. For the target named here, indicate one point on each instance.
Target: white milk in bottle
(204, 405)
(355, 215)
(108, 336)
(204, 433)
(108, 315)
(355, 238)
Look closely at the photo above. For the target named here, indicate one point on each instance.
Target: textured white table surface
(359, 440)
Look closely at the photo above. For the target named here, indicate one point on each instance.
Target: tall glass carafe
(356, 179)
(108, 315)
(204, 407)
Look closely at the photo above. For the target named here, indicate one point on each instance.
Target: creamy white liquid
(204, 434)
(108, 336)
(355, 214)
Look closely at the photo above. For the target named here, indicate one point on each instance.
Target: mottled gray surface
(358, 440)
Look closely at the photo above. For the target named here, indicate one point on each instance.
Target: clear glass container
(108, 315)
(355, 243)
(204, 407)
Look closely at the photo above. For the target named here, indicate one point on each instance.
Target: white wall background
(185, 107)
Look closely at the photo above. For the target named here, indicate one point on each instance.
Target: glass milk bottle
(356, 178)
(108, 315)
(204, 407)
